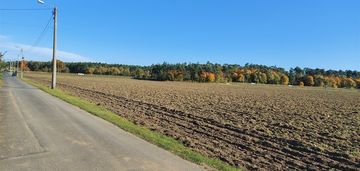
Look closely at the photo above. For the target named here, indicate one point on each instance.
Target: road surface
(41, 132)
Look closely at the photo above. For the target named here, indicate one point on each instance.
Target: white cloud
(38, 53)
(3, 37)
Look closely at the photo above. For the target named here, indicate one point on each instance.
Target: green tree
(126, 71)
(263, 78)
(147, 74)
(139, 73)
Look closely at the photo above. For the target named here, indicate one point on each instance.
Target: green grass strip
(165, 142)
(1, 79)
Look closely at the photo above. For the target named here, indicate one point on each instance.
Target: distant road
(41, 132)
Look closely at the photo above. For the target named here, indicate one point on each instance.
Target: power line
(39, 38)
(24, 9)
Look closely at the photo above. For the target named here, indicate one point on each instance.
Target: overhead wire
(24, 9)
(40, 37)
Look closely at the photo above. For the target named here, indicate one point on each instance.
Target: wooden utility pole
(22, 67)
(53, 78)
(17, 66)
(22, 63)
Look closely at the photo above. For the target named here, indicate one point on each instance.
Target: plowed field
(255, 126)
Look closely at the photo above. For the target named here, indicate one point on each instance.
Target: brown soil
(256, 126)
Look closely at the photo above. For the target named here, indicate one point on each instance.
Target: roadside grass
(165, 142)
(1, 79)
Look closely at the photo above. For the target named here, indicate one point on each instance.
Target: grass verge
(1, 79)
(165, 142)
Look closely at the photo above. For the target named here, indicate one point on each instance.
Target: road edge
(162, 141)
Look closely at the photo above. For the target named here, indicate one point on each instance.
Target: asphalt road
(41, 132)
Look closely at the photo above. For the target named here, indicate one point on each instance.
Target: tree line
(211, 72)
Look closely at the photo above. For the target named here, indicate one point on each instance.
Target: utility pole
(53, 78)
(17, 65)
(22, 68)
(22, 64)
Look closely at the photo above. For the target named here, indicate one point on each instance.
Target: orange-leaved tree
(202, 76)
(210, 77)
(24, 65)
(330, 81)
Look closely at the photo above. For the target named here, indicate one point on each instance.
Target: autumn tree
(301, 84)
(338, 81)
(277, 78)
(284, 79)
(126, 71)
(60, 66)
(210, 77)
(175, 75)
(330, 81)
(100, 70)
(241, 78)
(309, 80)
(319, 80)
(273, 77)
(115, 71)
(357, 81)
(24, 65)
(210, 72)
(89, 70)
(202, 76)
(348, 83)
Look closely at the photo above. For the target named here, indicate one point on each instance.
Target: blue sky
(305, 33)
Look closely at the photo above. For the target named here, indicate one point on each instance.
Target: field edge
(162, 141)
